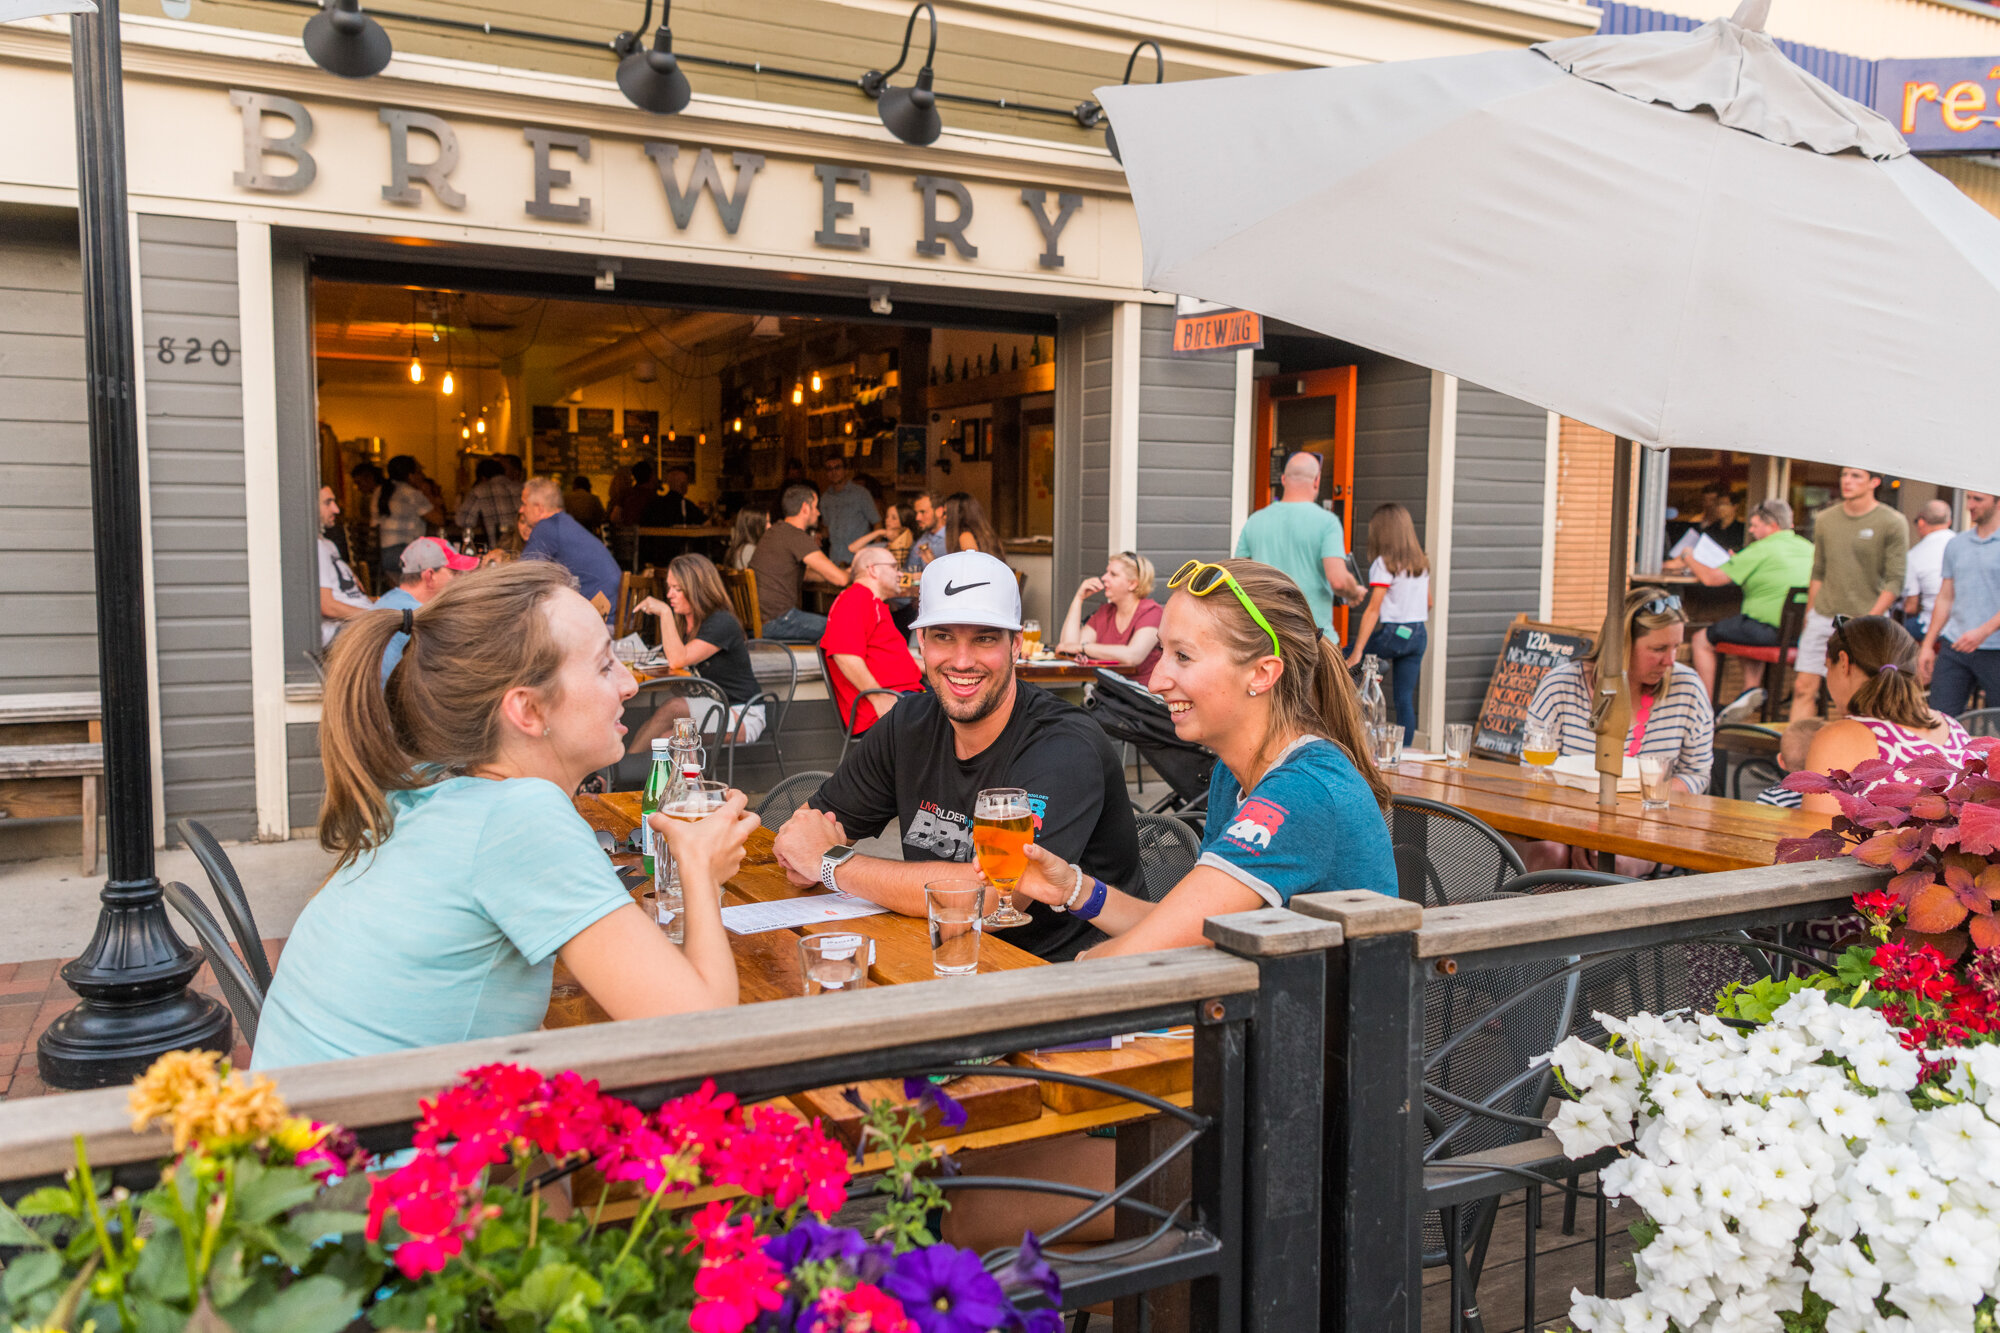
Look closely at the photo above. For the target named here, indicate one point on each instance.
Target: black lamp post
(134, 974)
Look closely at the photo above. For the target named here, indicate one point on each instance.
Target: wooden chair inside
(632, 590)
(741, 584)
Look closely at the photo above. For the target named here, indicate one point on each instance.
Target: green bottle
(658, 782)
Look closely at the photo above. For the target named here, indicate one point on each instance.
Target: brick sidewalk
(32, 994)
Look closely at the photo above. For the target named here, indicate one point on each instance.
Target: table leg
(1607, 862)
(1139, 1142)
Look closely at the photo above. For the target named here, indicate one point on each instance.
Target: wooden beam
(36, 1134)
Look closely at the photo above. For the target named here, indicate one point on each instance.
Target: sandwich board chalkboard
(1530, 651)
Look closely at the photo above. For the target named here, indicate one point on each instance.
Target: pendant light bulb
(416, 370)
(447, 386)
(798, 394)
(480, 425)
(815, 381)
(465, 432)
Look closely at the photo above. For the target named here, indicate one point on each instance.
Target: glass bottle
(658, 780)
(685, 761)
(1374, 707)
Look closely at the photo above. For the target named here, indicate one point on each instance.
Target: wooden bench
(52, 761)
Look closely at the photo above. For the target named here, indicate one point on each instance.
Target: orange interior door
(1311, 411)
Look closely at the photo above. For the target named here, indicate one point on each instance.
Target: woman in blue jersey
(1295, 805)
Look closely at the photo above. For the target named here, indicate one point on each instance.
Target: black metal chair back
(773, 662)
(1736, 743)
(1981, 722)
(244, 996)
(1168, 849)
(229, 892)
(1445, 856)
(1640, 981)
(1485, 1085)
(784, 800)
(853, 709)
(1751, 776)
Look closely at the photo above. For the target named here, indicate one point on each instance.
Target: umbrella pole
(1614, 704)
(133, 976)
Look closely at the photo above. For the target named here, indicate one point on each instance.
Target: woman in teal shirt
(464, 867)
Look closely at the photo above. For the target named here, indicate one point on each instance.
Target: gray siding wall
(48, 606)
(1187, 436)
(194, 430)
(1392, 445)
(1094, 480)
(1496, 541)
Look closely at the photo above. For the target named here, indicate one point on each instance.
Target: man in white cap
(429, 563)
(976, 727)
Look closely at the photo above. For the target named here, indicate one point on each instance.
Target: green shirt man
(1767, 569)
(1294, 535)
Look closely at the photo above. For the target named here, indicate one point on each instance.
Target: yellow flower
(298, 1134)
(206, 1102)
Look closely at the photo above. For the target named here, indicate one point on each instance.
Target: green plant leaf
(547, 1290)
(151, 1316)
(13, 1231)
(263, 1193)
(162, 1268)
(30, 1273)
(318, 1304)
(227, 1278)
(322, 1223)
(48, 1201)
(206, 1320)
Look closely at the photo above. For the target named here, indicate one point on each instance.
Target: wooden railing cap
(1361, 912)
(1271, 932)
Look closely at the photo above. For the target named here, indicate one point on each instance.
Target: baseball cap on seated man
(435, 553)
(969, 588)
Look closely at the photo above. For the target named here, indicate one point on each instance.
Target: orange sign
(1217, 331)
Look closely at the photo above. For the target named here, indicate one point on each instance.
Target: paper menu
(1580, 771)
(791, 913)
(1703, 547)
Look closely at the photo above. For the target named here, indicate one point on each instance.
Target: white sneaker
(1743, 708)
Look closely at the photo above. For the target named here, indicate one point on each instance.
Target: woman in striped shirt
(1671, 715)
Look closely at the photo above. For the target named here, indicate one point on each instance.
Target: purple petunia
(810, 1241)
(944, 1290)
(1030, 1269)
(922, 1090)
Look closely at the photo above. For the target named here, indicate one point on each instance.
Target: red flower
(865, 1309)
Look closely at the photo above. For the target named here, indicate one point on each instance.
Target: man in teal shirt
(1776, 561)
(1298, 537)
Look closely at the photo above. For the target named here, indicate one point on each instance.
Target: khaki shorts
(1812, 644)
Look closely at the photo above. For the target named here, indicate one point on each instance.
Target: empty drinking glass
(1457, 743)
(1656, 778)
(835, 962)
(1387, 741)
(956, 909)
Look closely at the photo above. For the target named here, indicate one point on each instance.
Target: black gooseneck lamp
(911, 113)
(1090, 113)
(651, 78)
(342, 40)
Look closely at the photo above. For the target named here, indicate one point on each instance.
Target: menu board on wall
(552, 451)
(642, 424)
(593, 454)
(596, 420)
(550, 418)
(1530, 651)
(912, 444)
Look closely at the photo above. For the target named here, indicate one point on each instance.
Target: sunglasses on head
(1201, 578)
(1658, 606)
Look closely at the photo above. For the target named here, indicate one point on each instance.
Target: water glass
(1656, 777)
(835, 962)
(698, 800)
(1457, 744)
(1387, 743)
(956, 909)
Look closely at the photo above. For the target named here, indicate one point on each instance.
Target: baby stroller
(1129, 712)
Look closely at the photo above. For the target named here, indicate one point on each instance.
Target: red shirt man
(861, 641)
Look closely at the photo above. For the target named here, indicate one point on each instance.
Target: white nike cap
(969, 588)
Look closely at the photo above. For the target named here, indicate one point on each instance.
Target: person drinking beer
(976, 727)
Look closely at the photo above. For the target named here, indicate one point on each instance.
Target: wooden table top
(1701, 833)
(1002, 1110)
(1056, 671)
(688, 533)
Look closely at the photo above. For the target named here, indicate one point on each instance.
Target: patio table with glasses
(1699, 833)
(1000, 1109)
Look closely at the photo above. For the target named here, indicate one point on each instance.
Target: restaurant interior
(743, 401)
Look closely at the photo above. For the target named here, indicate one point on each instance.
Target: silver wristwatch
(836, 856)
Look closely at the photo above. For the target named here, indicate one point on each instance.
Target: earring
(1253, 691)
(545, 731)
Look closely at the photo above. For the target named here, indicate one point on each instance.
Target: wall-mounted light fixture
(911, 113)
(651, 79)
(1090, 113)
(342, 40)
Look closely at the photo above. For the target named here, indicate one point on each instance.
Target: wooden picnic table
(1056, 671)
(1700, 833)
(1000, 1109)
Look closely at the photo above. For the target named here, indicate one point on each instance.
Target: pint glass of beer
(1003, 824)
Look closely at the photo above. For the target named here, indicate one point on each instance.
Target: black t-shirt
(906, 767)
(668, 510)
(729, 665)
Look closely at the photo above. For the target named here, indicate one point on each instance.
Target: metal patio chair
(784, 800)
(772, 662)
(853, 709)
(1168, 849)
(1981, 722)
(229, 892)
(244, 996)
(1445, 856)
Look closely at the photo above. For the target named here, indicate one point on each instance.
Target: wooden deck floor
(1561, 1263)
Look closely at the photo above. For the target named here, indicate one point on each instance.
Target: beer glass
(1540, 747)
(1031, 637)
(1003, 824)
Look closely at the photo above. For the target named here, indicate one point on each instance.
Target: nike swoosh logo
(954, 589)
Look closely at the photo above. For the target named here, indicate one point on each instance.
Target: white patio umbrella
(1681, 238)
(10, 10)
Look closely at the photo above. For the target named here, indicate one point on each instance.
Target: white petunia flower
(1678, 1097)
(1886, 1065)
(1775, 1050)
(1781, 1173)
(1584, 1127)
(1893, 1258)
(1982, 1064)
(1972, 1199)
(1929, 1314)
(1843, 1112)
(1580, 1062)
(1893, 1116)
(1685, 1305)
(1747, 1312)
(1959, 1141)
(1595, 1314)
(1642, 1315)
(1956, 1259)
(1727, 1190)
(1844, 1276)
(1668, 1194)
(1773, 1222)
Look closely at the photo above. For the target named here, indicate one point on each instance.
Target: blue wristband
(1094, 904)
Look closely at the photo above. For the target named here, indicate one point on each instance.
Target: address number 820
(192, 352)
